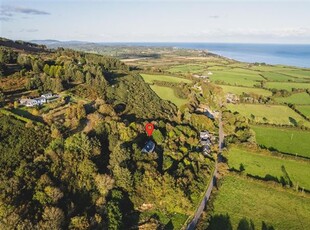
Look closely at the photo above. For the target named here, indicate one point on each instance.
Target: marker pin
(149, 128)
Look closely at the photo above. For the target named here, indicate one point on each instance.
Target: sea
(282, 54)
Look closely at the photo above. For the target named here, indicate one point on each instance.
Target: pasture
(239, 90)
(237, 77)
(167, 93)
(239, 197)
(287, 140)
(297, 73)
(297, 98)
(304, 109)
(187, 68)
(272, 114)
(287, 85)
(272, 76)
(150, 78)
(264, 166)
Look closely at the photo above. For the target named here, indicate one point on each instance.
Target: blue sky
(249, 21)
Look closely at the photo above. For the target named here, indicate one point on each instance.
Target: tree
(46, 69)
(158, 136)
(2, 97)
(79, 223)
(52, 218)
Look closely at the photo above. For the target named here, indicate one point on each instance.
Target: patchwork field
(304, 109)
(187, 68)
(150, 78)
(284, 140)
(237, 77)
(265, 166)
(272, 76)
(297, 98)
(167, 93)
(239, 90)
(272, 114)
(298, 73)
(287, 85)
(239, 197)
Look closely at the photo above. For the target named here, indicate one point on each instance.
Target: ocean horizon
(276, 54)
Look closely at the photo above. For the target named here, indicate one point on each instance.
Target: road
(199, 210)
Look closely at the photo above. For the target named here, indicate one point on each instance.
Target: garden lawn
(263, 165)
(240, 197)
(287, 140)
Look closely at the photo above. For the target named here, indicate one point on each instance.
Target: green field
(287, 85)
(284, 139)
(297, 98)
(149, 78)
(239, 197)
(237, 77)
(264, 165)
(304, 109)
(167, 93)
(239, 90)
(187, 68)
(275, 114)
(298, 73)
(272, 76)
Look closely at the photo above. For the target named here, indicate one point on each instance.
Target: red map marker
(149, 128)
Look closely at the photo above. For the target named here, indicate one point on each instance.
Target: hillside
(75, 159)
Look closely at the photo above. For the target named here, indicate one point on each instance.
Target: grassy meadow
(236, 76)
(150, 78)
(304, 109)
(287, 140)
(287, 85)
(263, 165)
(297, 98)
(239, 90)
(187, 68)
(240, 197)
(167, 93)
(275, 114)
(273, 76)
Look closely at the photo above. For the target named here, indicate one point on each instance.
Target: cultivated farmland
(287, 140)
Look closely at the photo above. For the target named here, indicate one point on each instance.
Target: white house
(47, 95)
(37, 101)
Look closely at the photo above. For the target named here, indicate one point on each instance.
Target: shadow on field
(223, 222)
(220, 222)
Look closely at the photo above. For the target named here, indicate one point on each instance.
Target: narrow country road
(199, 210)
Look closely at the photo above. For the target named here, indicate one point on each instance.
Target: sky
(230, 21)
